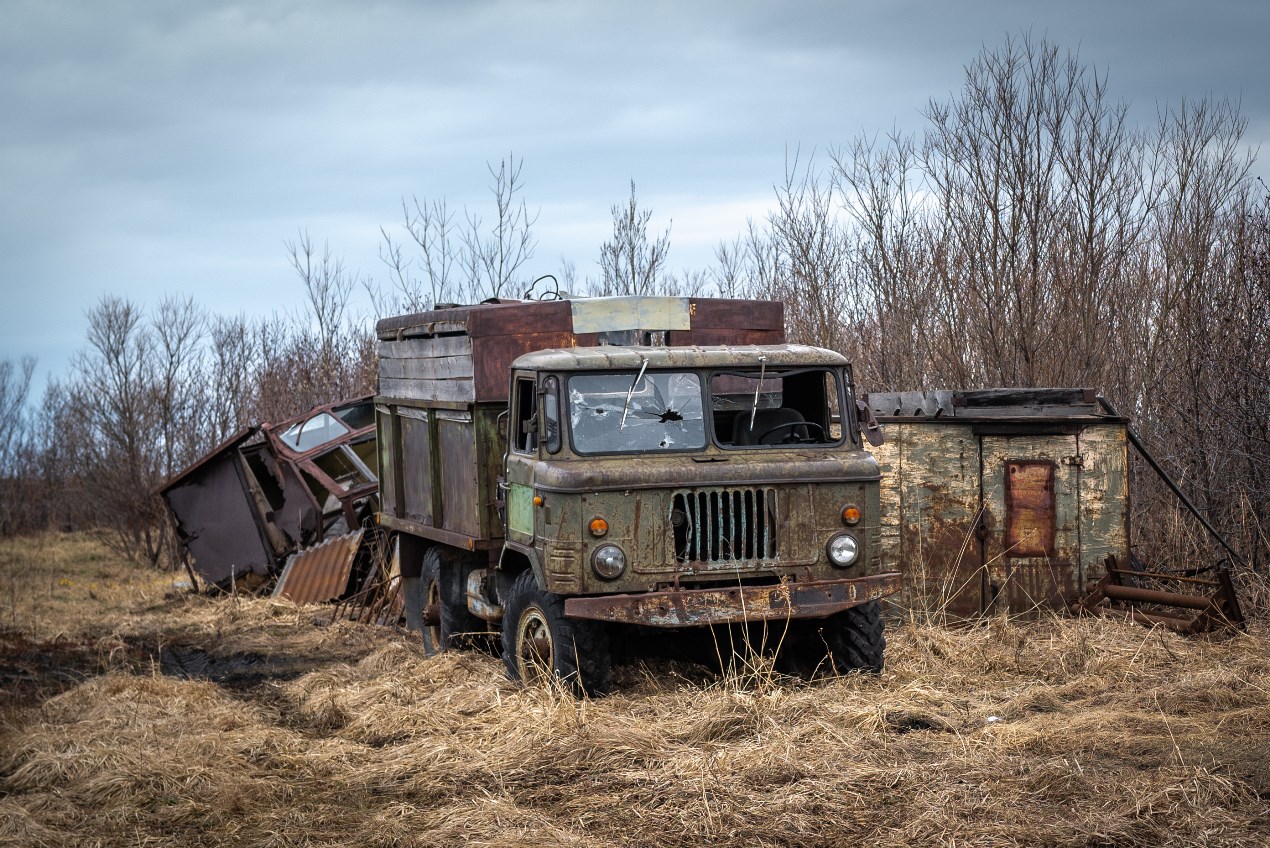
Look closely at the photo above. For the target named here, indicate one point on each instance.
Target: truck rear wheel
(852, 640)
(539, 642)
(441, 589)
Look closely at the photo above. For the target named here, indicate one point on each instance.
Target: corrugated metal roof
(320, 573)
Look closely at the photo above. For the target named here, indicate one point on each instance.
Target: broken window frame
(625, 380)
(836, 411)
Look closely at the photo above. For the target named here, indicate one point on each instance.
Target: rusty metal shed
(1000, 499)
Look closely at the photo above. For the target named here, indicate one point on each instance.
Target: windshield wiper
(626, 407)
(762, 370)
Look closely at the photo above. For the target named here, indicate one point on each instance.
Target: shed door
(1031, 505)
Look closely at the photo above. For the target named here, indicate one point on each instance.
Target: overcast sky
(165, 147)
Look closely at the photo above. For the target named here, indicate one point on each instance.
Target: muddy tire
(852, 640)
(539, 642)
(440, 584)
(857, 639)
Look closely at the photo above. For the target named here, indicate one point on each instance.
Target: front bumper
(695, 607)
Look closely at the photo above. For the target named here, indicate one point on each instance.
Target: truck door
(522, 453)
(1030, 490)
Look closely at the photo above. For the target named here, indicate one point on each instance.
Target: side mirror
(868, 424)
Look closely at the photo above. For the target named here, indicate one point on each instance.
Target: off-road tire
(857, 639)
(852, 640)
(442, 583)
(579, 650)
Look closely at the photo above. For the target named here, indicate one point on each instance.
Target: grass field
(137, 714)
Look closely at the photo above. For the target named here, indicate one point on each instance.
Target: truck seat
(765, 420)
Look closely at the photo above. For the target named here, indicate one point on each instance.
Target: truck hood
(694, 470)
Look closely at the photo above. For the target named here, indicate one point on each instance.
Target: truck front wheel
(852, 640)
(539, 642)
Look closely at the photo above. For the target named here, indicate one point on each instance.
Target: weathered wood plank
(434, 368)
(454, 391)
(426, 348)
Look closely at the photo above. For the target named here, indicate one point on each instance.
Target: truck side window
(525, 423)
(551, 413)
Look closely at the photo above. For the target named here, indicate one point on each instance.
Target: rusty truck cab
(684, 486)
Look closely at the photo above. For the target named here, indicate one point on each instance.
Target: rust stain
(1029, 508)
(320, 573)
(695, 607)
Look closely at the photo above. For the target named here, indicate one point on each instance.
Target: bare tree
(812, 257)
(494, 256)
(430, 227)
(629, 262)
(464, 263)
(114, 407)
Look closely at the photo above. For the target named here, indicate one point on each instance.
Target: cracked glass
(626, 411)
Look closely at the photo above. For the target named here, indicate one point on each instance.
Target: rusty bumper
(693, 607)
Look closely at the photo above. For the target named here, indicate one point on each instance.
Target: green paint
(520, 509)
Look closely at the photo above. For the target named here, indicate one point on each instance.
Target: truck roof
(696, 356)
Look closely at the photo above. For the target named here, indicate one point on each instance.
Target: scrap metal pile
(294, 501)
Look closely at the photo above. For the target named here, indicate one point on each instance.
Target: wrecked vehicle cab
(665, 485)
(640, 476)
(271, 490)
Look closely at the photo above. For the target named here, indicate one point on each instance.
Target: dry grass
(1058, 733)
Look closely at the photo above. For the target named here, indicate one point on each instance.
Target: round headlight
(608, 561)
(842, 550)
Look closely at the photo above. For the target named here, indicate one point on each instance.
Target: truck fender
(513, 560)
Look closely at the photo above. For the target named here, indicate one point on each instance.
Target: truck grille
(724, 525)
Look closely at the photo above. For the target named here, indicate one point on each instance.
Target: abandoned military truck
(568, 472)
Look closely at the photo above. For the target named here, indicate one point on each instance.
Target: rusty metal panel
(696, 607)
(1029, 508)
(1104, 498)
(320, 573)
(1026, 585)
(216, 517)
(929, 509)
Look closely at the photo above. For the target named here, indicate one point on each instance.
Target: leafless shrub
(630, 263)
(463, 263)
(1032, 236)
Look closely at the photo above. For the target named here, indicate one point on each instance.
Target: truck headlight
(842, 550)
(608, 561)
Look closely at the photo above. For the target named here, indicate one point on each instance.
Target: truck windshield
(630, 411)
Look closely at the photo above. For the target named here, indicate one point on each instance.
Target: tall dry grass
(297, 731)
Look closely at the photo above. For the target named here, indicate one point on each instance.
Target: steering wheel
(791, 438)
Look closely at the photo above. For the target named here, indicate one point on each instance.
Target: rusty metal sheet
(1104, 498)
(320, 573)
(1029, 508)
(1031, 568)
(216, 519)
(696, 607)
(929, 513)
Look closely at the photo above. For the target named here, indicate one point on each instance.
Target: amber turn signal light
(537, 500)
(599, 527)
(850, 514)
